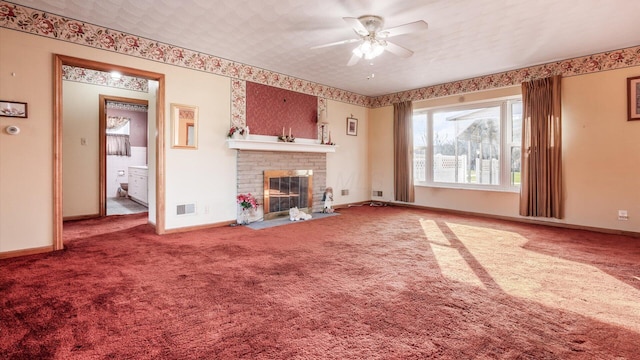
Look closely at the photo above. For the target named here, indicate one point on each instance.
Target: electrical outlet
(623, 215)
(83, 141)
(206, 209)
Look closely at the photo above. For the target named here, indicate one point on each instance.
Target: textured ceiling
(466, 38)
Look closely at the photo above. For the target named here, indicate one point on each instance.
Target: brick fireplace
(252, 165)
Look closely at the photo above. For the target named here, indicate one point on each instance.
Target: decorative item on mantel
(248, 204)
(236, 132)
(324, 134)
(286, 138)
(329, 142)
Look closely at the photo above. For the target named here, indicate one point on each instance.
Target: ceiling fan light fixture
(377, 48)
(369, 49)
(372, 38)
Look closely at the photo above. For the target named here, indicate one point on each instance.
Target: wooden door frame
(102, 200)
(58, 62)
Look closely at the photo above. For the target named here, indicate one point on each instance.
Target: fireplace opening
(285, 189)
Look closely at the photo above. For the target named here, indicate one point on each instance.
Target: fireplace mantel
(271, 143)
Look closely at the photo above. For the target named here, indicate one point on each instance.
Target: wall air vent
(186, 209)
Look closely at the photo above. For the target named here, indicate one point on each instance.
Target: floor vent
(185, 209)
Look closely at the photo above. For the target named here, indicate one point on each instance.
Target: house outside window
(474, 146)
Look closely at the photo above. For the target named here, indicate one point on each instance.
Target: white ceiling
(466, 38)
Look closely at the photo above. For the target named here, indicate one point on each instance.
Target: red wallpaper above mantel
(269, 109)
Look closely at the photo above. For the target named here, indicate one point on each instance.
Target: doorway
(123, 155)
(156, 214)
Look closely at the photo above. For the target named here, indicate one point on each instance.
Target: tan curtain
(118, 144)
(541, 177)
(403, 151)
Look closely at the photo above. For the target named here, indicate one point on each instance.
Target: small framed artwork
(352, 126)
(13, 109)
(633, 97)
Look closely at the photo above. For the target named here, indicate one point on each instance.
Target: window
(469, 147)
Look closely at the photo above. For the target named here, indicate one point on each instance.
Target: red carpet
(372, 283)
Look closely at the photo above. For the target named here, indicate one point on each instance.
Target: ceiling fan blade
(356, 25)
(398, 50)
(354, 60)
(335, 43)
(404, 29)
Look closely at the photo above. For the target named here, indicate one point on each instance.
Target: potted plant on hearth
(248, 204)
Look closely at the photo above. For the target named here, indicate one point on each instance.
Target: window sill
(515, 190)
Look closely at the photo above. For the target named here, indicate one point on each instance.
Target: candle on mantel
(283, 131)
(289, 132)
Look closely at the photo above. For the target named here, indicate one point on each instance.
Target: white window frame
(506, 143)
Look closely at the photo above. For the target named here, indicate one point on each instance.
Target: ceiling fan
(373, 37)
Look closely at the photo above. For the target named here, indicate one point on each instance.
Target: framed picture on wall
(13, 109)
(352, 126)
(633, 98)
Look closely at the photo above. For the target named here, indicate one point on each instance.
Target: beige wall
(25, 160)
(601, 151)
(601, 156)
(381, 152)
(205, 176)
(348, 168)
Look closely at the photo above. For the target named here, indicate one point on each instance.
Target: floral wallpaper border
(126, 106)
(238, 103)
(609, 60)
(102, 78)
(37, 22)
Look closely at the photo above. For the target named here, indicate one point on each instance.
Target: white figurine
(327, 197)
(295, 214)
